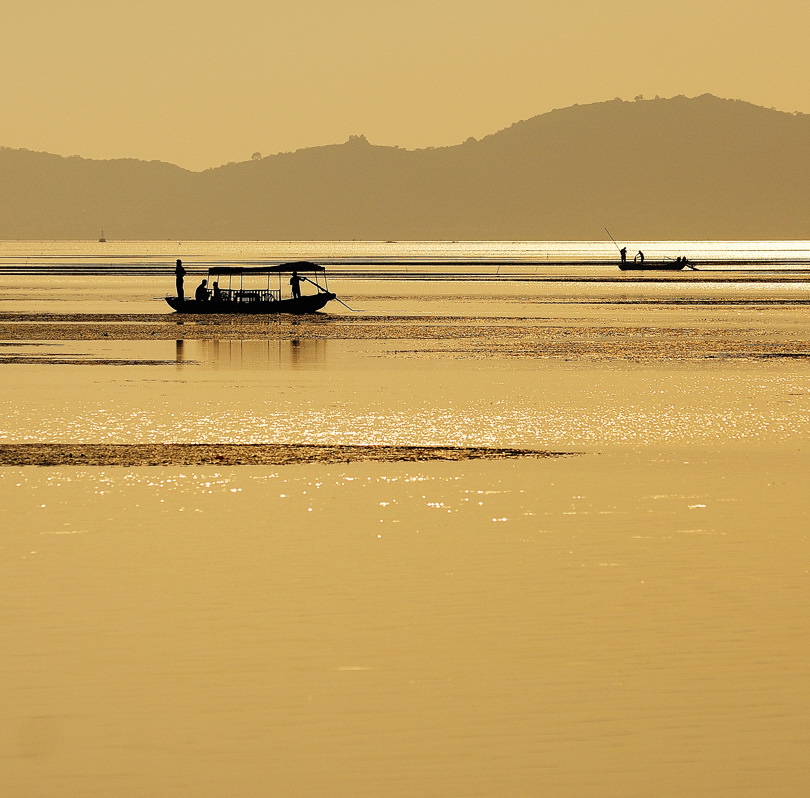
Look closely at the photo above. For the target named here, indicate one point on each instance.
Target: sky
(207, 82)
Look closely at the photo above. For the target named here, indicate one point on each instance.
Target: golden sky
(206, 82)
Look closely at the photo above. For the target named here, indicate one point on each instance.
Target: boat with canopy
(243, 296)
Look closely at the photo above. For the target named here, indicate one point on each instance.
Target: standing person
(179, 273)
(201, 294)
(295, 286)
(623, 253)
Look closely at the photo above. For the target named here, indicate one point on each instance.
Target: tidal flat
(627, 617)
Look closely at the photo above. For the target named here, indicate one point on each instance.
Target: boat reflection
(236, 354)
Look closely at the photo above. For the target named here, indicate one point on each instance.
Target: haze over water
(627, 620)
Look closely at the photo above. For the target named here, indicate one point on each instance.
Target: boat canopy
(297, 266)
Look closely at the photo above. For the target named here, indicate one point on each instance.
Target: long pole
(321, 288)
(345, 305)
(612, 239)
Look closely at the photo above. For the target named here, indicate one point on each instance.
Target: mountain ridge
(690, 168)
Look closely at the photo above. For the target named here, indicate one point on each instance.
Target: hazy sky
(206, 82)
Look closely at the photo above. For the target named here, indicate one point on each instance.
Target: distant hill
(680, 168)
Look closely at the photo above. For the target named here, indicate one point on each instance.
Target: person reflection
(295, 352)
(178, 351)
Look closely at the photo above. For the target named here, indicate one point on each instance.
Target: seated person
(201, 294)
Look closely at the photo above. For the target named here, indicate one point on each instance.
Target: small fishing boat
(640, 263)
(101, 239)
(210, 297)
(657, 266)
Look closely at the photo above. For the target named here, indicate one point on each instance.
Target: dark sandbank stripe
(185, 454)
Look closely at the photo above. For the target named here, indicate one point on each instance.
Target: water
(630, 620)
(393, 393)
(527, 278)
(142, 255)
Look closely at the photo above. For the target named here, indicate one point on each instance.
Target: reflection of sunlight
(446, 426)
(351, 404)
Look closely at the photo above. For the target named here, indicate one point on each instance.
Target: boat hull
(305, 304)
(652, 267)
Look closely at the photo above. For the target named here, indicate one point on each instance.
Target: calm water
(470, 278)
(629, 621)
(145, 253)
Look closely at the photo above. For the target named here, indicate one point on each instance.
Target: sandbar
(261, 454)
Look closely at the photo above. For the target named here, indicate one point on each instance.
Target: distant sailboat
(101, 239)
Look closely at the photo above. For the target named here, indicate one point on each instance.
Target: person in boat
(179, 273)
(201, 294)
(623, 253)
(295, 285)
(639, 257)
(217, 292)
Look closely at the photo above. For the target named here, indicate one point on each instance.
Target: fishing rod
(612, 239)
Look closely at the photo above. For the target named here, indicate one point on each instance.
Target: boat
(236, 298)
(640, 263)
(101, 239)
(657, 266)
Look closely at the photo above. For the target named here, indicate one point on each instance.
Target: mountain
(680, 168)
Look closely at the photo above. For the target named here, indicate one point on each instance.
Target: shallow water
(392, 392)
(612, 625)
(629, 621)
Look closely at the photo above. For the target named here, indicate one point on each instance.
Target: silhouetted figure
(623, 253)
(295, 285)
(179, 273)
(201, 294)
(217, 292)
(639, 257)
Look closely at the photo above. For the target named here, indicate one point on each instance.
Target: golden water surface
(629, 621)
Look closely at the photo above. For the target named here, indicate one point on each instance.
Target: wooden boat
(656, 265)
(239, 299)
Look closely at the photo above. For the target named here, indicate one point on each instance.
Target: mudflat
(173, 454)
(680, 336)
